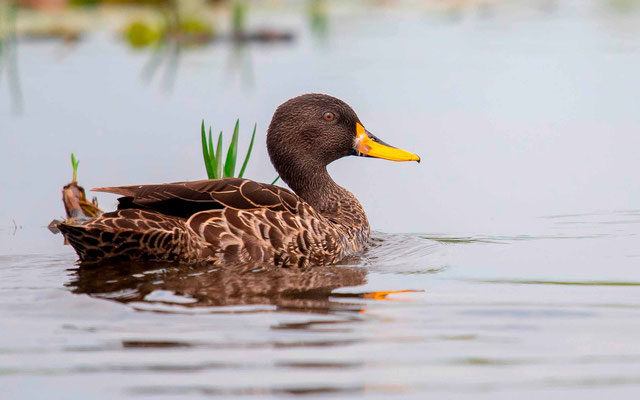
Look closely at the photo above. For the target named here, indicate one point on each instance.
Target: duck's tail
(127, 235)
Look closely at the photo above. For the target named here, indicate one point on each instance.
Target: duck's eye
(328, 116)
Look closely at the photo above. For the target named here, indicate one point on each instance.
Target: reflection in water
(168, 47)
(206, 286)
(240, 64)
(163, 287)
(163, 52)
(288, 391)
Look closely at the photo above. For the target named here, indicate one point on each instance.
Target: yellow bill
(370, 146)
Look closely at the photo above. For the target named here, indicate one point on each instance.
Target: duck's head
(310, 131)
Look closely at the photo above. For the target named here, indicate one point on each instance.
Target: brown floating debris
(76, 204)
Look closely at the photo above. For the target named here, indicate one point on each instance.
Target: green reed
(74, 164)
(213, 157)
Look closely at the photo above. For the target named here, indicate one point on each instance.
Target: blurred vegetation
(142, 34)
(9, 53)
(624, 5)
(201, 22)
(239, 16)
(84, 3)
(189, 30)
(193, 23)
(165, 28)
(318, 17)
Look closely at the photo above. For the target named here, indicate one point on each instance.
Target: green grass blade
(219, 156)
(212, 158)
(205, 153)
(246, 158)
(275, 180)
(74, 164)
(232, 153)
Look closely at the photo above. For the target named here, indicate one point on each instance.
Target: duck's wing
(183, 199)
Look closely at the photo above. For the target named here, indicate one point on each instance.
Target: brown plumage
(234, 220)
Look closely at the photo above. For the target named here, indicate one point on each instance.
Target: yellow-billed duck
(235, 220)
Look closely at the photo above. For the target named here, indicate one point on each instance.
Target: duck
(241, 221)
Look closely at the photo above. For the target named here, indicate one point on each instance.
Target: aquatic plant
(213, 158)
(74, 164)
(76, 204)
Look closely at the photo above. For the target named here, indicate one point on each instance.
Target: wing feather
(183, 199)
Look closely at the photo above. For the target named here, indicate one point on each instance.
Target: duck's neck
(315, 186)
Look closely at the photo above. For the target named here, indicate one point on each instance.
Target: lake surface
(505, 265)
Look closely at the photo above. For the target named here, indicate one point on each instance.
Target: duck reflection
(308, 290)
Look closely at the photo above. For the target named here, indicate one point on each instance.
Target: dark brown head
(310, 131)
(312, 128)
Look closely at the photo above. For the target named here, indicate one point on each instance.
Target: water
(504, 265)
